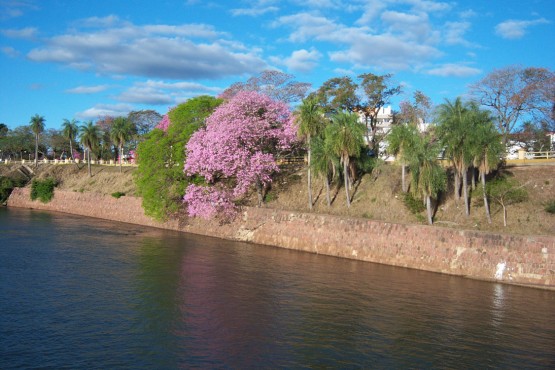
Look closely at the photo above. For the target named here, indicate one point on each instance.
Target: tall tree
(3, 130)
(37, 126)
(236, 151)
(121, 132)
(54, 141)
(89, 135)
(324, 163)
(428, 177)
(487, 150)
(70, 130)
(144, 120)
(346, 139)
(309, 117)
(338, 94)
(401, 140)
(513, 92)
(277, 85)
(456, 126)
(377, 93)
(416, 112)
(160, 179)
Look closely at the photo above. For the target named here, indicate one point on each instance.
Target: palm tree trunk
(473, 174)
(328, 197)
(429, 209)
(486, 203)
(70, 149)
(346, 178)
(120, 157)
(89, 161)
(504, 215)
(309, 176)
(465, 192)
(457, 185)
(36, 150)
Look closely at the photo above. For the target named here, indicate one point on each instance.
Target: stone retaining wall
(526, 260)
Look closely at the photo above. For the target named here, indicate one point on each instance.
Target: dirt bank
(377, 196)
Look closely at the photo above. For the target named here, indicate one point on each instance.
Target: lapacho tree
(236, 151)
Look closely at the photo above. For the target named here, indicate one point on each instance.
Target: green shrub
(270, 197)
(414, 205)
(159, 178)
(43, 190)
(550, 206)
(118, 194)
(6, 187)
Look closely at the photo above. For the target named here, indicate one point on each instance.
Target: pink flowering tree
(236, 151)
(164, 123)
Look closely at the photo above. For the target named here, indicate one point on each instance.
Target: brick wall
(527, 260)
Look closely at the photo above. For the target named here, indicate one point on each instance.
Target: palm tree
(456, 126)
(428, 177)
(70, 130)
(346, 139)
(121, 131)
(90, 137)
(310, 119)
(401, 139)
(487, 151)
(324, 163)
(37, 126)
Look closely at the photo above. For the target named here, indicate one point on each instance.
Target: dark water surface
(87, 293)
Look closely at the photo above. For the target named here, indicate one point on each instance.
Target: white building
(384, 125)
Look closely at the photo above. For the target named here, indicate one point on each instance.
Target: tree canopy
(161, 156)
(235, 151)
(277, 85)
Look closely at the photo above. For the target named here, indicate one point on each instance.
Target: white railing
(69, 161)
(522, 154)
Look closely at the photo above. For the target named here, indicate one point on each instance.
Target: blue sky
(82, 59)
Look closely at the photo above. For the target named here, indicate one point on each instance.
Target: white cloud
(454, 70)
(514, 29)
(468, 14)
(15, 8)
(321, 4)
(429, 6)
(307, 26)
(401, 46)
(101, 110)
(98, 22)
(372, 10)
(300, 60)
(164, 93)
(254, 12)
(414, 27)
(9, 51)
(454, 33)
(23, 33)
(159, 51)
(87, 89)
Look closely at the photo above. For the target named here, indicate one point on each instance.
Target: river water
(87, 293)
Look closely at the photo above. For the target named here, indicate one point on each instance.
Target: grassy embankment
(377, 196)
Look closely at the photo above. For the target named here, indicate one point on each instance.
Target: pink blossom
(239, 143)
(208, 201)
(164, 123)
